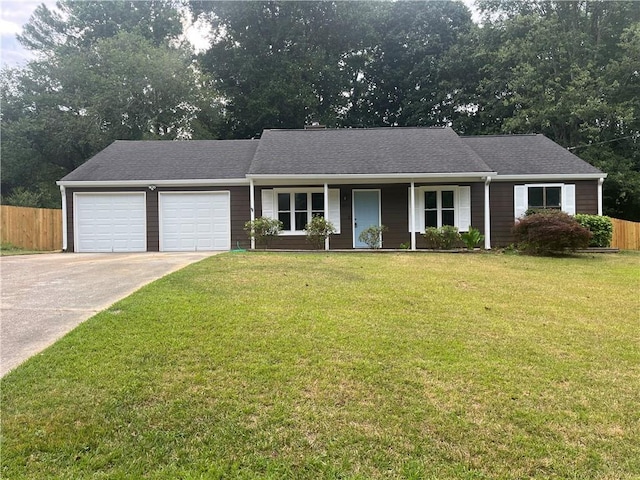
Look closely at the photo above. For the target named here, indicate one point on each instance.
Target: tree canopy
(122, 70)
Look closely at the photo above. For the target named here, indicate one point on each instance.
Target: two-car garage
(117, 221)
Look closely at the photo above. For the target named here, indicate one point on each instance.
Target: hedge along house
(197, 195)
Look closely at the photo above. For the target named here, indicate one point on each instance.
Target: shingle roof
(166, 160)
(527, 155)
(364, 151)
(332, 152)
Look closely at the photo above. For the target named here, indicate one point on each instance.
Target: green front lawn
(367, 366)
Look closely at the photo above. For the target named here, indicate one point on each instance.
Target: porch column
(326, 212)
(252, 208)
(600, 182)
(64, 218)
(412, 212)
(487, 215)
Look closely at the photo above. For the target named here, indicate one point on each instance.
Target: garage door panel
(195, 221)
(110, 222)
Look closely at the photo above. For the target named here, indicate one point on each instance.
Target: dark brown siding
(502, 213)
(587, 197)
(240, 212)
(394, 200)
(153, 222)
(502, 207)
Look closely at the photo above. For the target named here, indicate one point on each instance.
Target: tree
(568, 70)
(107, 71)
(278, 64)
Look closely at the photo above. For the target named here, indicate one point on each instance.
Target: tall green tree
(279, 64)
(412, 74)
(101, 75)
(568, 69)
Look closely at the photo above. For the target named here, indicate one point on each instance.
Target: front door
(366, 213)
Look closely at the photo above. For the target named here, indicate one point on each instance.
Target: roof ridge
(503, 135)
(334, 129)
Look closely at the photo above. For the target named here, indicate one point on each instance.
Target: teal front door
(366, 213)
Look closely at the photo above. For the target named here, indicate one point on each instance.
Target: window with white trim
(439, 205)
(439, 208)
(297, 208)
(560, 196)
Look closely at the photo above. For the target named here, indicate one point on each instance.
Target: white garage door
(110, 222)
(194, 221)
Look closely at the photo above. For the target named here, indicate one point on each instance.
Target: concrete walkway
(45, 296)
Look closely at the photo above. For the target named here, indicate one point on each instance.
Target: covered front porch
(404, 205)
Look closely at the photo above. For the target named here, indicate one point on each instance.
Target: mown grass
(351, 366)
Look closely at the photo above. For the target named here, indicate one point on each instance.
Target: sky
(15, 13)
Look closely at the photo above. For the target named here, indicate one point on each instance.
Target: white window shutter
(419, 213)
(463, 214)
(520, 200)
(569, 199)
(334, 208)
(268, 204)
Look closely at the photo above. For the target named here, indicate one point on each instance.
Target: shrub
(550, 232)
(472, 238)
(600, 227)
(372, 236)
(432, 237)
(318, 230)
(443, 238)
(263, 229)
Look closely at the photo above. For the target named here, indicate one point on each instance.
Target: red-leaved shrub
(550, 232)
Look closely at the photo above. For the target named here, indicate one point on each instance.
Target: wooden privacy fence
(626, 235)
(31, 228)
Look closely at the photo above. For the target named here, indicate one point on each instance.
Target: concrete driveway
(45, 296)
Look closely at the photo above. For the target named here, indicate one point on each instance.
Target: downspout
(64, 218)
(600, 182)
(487, 215)
(252, 208)
(326, 212)
(412, 210)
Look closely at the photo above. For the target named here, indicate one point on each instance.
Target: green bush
(472, 238)
(263, 229)
(600, 227)
(443, 238)
(372, 236)
(318, 230)
(550, 232)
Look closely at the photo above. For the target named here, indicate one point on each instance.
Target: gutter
(157, 183)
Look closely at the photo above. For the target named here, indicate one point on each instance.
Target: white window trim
(439, 208)
(293, 191)
(567, 192)
(420, 207)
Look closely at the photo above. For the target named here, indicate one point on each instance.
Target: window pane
(285, 218)
(553, 197)
(430, 199)
(447, 217)
(447, 199)
(431, 218)
(317, 201)
(301, 220)
(284, 202)
(301, 201)
(536, 197)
